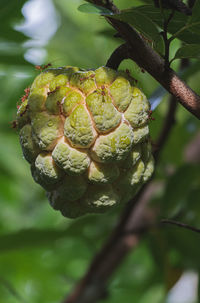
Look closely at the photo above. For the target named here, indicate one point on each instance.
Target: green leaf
(11, 290)
(9, 34)
(195, 12)
(188, 51)
(35, 237)
(29, 238)
(13, 60)
(11, 39)
(94, 9)
(153, 13)
(11, 10)
(189, 33)
(143, 24)
(191, 214)
(178, 188)
(193, 69)
(12, 53)
(187, 27)
(184, 242)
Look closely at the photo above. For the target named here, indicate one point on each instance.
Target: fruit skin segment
(85, 135)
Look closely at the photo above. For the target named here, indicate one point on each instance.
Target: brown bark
(135, 220)
(142, 53)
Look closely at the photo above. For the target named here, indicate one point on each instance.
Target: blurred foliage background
(42, 254)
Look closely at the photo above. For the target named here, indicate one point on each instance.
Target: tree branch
(145, 57)
(143, 54)
(135, 220)
(121, 53)
(132, 224)
(124, 238)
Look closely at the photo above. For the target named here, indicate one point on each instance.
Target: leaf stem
(165, 38)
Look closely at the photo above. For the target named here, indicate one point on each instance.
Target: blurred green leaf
(11, 39)
(177, 189)
(34, 238)
(94, 9)
(30, 238)
(11, 290)
(11, 10)
(185, 243)
(155, 294)
(13, 60)
(191, 70)
(10, 35)
(191, 211)
(10, 15)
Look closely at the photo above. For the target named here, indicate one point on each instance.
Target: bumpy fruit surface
(86, 137)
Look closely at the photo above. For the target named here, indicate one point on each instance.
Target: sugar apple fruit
(86, 137)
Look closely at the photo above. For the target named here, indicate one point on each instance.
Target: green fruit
(86, 137)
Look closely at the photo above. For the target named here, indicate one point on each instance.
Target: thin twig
(180, 224)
